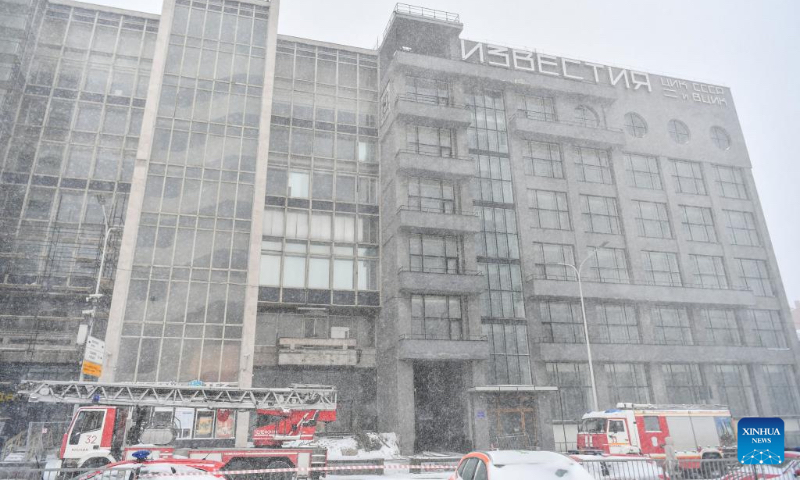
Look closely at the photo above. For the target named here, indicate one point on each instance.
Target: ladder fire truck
(698, 432)
(113, 420)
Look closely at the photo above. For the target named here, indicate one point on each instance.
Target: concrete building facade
(398, 222)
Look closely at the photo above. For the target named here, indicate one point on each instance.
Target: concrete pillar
(658, 385)
(406, 426)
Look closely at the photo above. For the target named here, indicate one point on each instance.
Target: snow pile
(362, 446)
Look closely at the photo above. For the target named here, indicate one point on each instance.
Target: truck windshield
(593, 425)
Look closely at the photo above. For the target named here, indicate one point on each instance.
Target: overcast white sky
(749, 46)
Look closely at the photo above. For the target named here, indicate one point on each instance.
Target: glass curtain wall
(502, 305)
(185, 304)
(320, 238)
(74, 143)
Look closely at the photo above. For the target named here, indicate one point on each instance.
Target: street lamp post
(585, 323)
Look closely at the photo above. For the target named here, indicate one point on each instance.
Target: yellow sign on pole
(91, 368)
(93, 357)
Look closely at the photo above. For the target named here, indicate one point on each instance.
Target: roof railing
(406, 9)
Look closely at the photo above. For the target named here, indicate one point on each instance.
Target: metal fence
(601, 468)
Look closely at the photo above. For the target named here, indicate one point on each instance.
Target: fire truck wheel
(280, 475)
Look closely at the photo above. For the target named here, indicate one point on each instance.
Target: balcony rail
(452, 211)
(21, 340)
(415, 152)
(529, 115)
(460, 338)
(302, 343)
(428, 99)
(578, 339)
(572, 278)
(460, 272)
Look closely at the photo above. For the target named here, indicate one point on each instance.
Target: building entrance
(512, 423)
(440, 407)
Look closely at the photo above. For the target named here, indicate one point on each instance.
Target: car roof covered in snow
(518, 457)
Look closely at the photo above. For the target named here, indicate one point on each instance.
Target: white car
(167, 469)
(518, 465)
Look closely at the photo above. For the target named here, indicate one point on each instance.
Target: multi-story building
(401, 222)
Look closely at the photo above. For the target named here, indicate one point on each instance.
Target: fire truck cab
(697, 431)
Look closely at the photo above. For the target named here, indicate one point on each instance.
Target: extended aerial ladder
(110, 420)
(296, 397)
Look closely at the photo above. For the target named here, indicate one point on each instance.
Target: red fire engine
(117, 419)
(698, 431)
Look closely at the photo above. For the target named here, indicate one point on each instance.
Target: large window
(593, 165)
(764, 328)
(615, 323)
(688, 177)
(574, 390)
(643, 171)
(487, 131)
(494, 182)
(509, 356)
(548, 257)
(707, 271)
(698, 224)
(627, 382)
(430, 141)
(609, 265)
(600, 214)
(684, 383)
(436, 317)
(434, 254)
(426, 90)
(652, 220)
(730, 182)
(755, 275)
(720, 326)
(671, 325)
(502, 297)
(661, 268)
(550, 210)
(499, 233)
(741, 228)
(678, 131)
(540, 108)
(586, 117)
(720, 138)
(733, 387)
(782, 388)
(431, 195)
(635, 125)
(562, 322)
(542, 159)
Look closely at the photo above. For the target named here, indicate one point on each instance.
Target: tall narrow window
(540, 108)
(661, 268)
(688, 177)
(593, 165)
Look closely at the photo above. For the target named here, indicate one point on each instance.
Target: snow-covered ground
(394, 476)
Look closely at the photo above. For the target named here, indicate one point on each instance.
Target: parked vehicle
(167, 469)
(699, 433)
(116, 419)
(518, 465)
